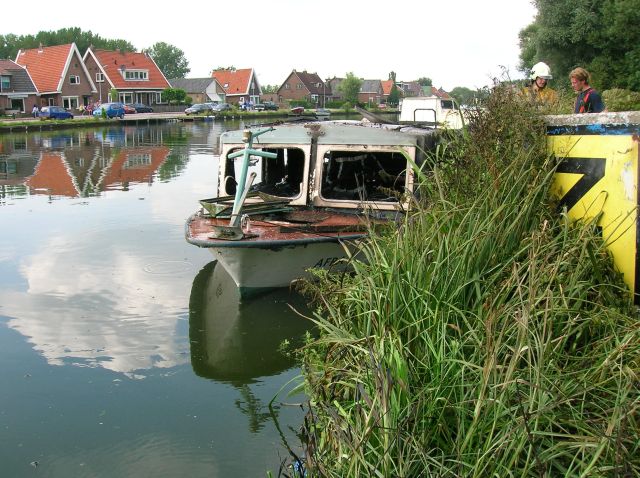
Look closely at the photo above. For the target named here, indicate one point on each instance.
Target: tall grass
(488, 337)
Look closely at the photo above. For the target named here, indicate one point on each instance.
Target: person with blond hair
(588, 100)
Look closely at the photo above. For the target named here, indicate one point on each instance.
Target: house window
(137, 160)
(70, 102)
(299, 86)
(126, 97)
(99, 77)
(17, 104)
(287, 86)
(6, 82)
(74, 79)
(136, 75)
(314, 98)
(51, 101)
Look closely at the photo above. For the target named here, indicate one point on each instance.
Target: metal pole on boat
(247, 137)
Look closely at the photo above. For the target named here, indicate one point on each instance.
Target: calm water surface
(124, 351)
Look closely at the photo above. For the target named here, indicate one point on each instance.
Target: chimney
(40, 49)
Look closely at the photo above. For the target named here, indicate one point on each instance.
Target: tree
(424, 81)
(394, 96)
(174, 95)
(270, 89)
(170, 59)
(601, 36)
(11, 43)
(464, 96)
(350, 87)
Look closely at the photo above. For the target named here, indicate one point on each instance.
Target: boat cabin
(328, 164)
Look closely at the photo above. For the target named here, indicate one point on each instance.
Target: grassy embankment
(488, 336)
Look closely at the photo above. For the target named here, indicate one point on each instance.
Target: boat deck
(291, 227)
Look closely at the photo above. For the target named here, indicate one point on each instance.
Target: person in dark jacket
(588, 100)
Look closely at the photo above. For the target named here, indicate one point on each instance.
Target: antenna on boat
(233, 231)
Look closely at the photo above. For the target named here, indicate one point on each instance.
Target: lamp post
(324, 94)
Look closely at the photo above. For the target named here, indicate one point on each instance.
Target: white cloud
(455, 43)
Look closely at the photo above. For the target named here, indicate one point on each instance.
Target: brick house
(240, 85)
(200, 90)
(371, 92)
(334, 85)
(387, 86)
(17, 91)
(304, 86)
(59, 75)
(134, 75)
(433, 91)
(410, 88)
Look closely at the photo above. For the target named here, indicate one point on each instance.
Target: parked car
(199, 108)
(55, 112)
(270, 105)
(128, 109)
(112, 110)
(141, 107)
(222, 107)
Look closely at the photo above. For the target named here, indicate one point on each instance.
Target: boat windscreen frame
(299, 200)
(408, 185)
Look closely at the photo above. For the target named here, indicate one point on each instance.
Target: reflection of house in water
(135, 165)
(17, 162)
(71, 173)
(16, 167)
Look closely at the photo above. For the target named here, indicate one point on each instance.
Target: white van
(431, 110)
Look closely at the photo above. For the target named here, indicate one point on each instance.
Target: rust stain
(302, 224)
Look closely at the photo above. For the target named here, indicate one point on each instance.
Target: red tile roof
(121, 172)
(52, 176)
(386, 87)
(47, 65)
(112, 61)
(234, 82)
(7, 65)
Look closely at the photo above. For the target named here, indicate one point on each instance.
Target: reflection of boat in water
(238, 341)
(322, 113)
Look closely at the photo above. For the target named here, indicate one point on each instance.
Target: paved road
(135, 116)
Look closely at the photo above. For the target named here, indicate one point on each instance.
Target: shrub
(621, 100)
(486, 336)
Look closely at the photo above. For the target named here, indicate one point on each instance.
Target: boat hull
(256, 268)
(275, 249)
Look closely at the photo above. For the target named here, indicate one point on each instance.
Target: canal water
(125, 351)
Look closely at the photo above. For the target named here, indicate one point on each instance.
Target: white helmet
(541, 70)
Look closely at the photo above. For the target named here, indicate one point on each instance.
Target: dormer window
(136, 75)
(74, 79)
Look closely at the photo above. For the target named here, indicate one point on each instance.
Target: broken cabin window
(280, 177)
(363, 175)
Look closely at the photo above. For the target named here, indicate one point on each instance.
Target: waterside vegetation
(486, 336)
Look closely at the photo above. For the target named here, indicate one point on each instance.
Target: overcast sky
(453, 42)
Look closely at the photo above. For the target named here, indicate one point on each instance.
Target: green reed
(487, 337)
